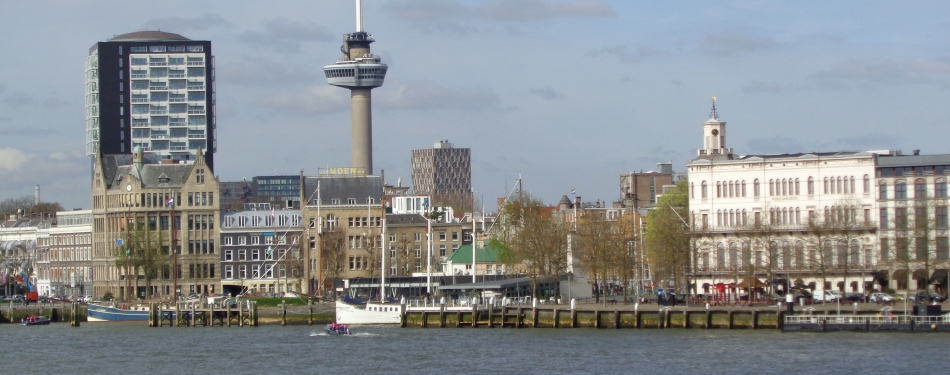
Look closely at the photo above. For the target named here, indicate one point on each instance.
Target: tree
(28, 204)
(532, 239)
(668, 245)
(145, 252)
(332, 256)
(820, 246)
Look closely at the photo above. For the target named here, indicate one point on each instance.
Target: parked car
(827, 296)
(856, 297)
(921, 297)
(878, 297)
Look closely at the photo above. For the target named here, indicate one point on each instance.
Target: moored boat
(121, 312)
(367, 313)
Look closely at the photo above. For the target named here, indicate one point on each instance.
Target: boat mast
(382, 252)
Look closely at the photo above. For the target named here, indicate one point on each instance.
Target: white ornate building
(804, 219)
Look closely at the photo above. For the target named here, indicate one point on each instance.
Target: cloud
(624, 54)
(18, 98)
(729, 43)
(498, 10)
(774, 145)
(545, 93)
(521, 10)
(427, 95)
(874, 141)
(759, 86)
(202, 22)
(886, 72)
(283, 35)
(317, 99)
(11, 159)
(265, 72)
(54, 103)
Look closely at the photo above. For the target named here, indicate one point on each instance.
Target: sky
(568, 94)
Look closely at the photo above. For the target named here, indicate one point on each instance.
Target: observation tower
(359, 71)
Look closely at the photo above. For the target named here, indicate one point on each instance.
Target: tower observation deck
(359, 71)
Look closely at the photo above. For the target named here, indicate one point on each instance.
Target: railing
(139, 100)
(863, 319)
(154, 112)
(158, 88)
(193, 87)
(196, 111)
(140, 125)
(178, 148)
(154, 136)
(192, 136)
(177, 100)
(139, 75)
(157, 64)
(196, 63)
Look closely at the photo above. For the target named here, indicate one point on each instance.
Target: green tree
(668, 245)
(145, 251)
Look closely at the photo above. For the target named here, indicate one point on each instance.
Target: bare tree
(332, 256)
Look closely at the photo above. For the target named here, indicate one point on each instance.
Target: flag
(425, 204)
(272, 212)
(170, 202)
(573, 191)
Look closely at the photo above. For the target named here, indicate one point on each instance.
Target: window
(900, 190)
(242, 255)
(137, 49)
(940, 189)
(195, 96)
(811, 186)
(228, 255)
(797, 191)
(442, 251)
(867, 184)
(900, 218)
(885, 249)
(883, 219)
(943, 248)
(882, 190)
(418, 252)
(196, 72)
(441, 236)
(455, 236)
(743, 188)
(703, 190)
(755, 187)
(920, 189)
(156, 48)
(195, 48)
(825, 190)
(941, 217)
(771, 187)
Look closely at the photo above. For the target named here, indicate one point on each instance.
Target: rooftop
(147, 36)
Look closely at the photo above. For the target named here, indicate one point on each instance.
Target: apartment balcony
(159, 136)
(196, 112)
(154, 112)
(139, 100)
(158, 64)
(134, 76)
(176, 100)
(196, 63)
(178, 148)
(196, 136)
(176, 76)
(196, 87)
(158, 88)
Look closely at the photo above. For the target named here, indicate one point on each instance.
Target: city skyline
(532, 86)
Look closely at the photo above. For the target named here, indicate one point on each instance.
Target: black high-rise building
(153, 90)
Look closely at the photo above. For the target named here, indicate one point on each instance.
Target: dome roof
(142, 36)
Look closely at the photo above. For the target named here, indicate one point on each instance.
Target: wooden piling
(668, 318)
(211, 316)
(638, 319)
(74, 315)
(685, 318)
(240, 315)
(616, 319)
(534, 317)
(708, 319)
(458, 319)
(573, 318)
(228, 316)
(557, 318)
(491, 322)
(192, 315)
(474, 315)
(310, 312)
(755, 319)
(442, 317)
(597, 319)
(731, 319)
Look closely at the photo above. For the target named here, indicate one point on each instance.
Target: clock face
(715, 132)
(128, 187)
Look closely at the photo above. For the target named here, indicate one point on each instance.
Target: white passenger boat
(367, 313)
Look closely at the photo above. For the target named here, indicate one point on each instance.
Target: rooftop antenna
(359, 16)
(713, 115)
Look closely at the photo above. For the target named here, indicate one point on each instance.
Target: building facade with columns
(783, 220)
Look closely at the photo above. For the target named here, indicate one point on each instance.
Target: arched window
(882, 188)
(842, 253)
(720, 255)
(771, 187)
(733, 254)
(855, 253)
(744, 218)
(827, 254)
(867, 184)
(703, 191)
(920, 189)
(746, 254)
(731, 189)
(692, 190)
(811, 186)
(784, 187)
(786, 255)
(719, 218)
(800, 254)
(839, 185)
(852, 185)
(900, 190)
(825, 190)
(940, 188)
(798, 215)
(743, 188)
(718, 190)
(846, 190)
(797, 191)
(755, 188)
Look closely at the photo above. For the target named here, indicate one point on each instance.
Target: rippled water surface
(131, 348)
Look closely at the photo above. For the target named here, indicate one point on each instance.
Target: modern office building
(154, 90)
(442, 170)
(359, 71)
(278, 191)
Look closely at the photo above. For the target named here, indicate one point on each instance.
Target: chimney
(916, 153)
(36, 195)
(137, 156)
(577, 201)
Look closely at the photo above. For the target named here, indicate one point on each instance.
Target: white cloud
(175, 23)
(317, 99)
(11, 159)
(283, 35)
(759, 86)
(887, 72)
(499, 10)
(729, 43)
(426, 95)
(18, 98)
(624, 54)
(546, 93)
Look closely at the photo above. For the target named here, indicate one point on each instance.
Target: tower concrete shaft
(361, 104)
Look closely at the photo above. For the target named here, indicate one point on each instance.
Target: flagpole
(174, 253)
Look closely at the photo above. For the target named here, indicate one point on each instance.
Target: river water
(134, 348)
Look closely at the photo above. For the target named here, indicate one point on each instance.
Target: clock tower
(714, 135)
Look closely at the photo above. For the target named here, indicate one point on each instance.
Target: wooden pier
(191, 315)
(556, 317)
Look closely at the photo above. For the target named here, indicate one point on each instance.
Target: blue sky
(568, 93)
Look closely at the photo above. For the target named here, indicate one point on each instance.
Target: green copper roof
(483, 255)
